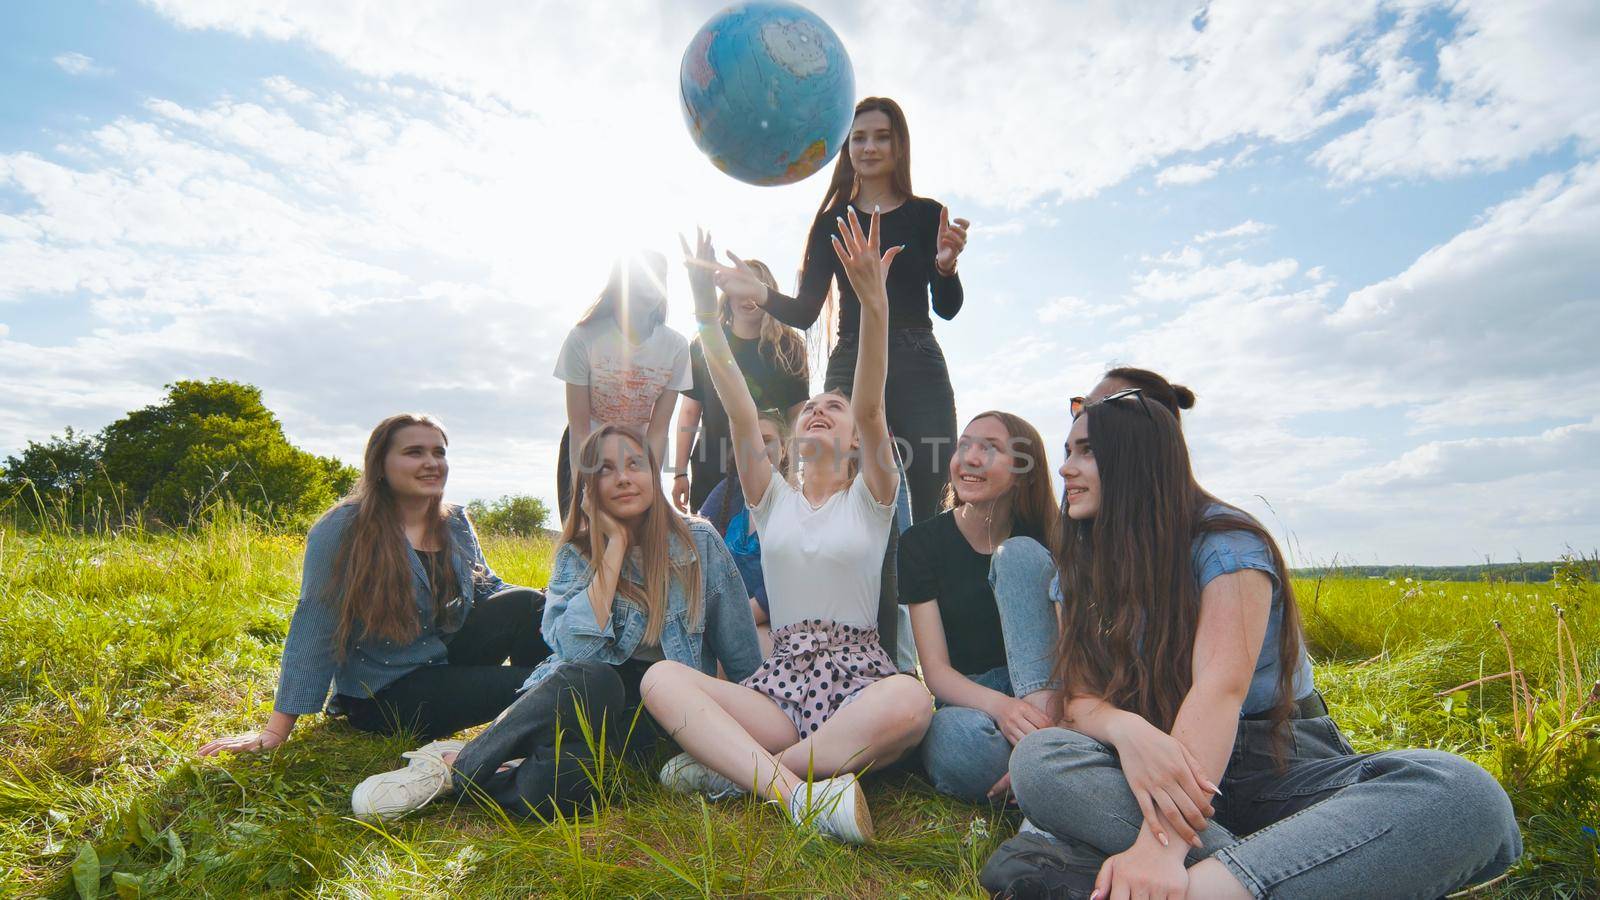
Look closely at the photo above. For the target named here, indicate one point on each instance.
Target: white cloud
(1247, 228)
(1188, 173)
(78, 64)
(1513, 81)
(1064, 308)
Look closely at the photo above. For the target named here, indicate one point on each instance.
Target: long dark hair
(653, 536)
(842, 186)
(372, 583)
(1175, 397)
(614, 298)
(1132, 596)
(1030, 503)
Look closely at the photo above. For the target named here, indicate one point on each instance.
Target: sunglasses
(1079, 403)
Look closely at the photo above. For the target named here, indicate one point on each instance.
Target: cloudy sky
(1366, 233)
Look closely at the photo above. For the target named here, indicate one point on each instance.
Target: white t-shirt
(624, 381)
(824, 563)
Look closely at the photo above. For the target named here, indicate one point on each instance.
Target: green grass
(120, 655)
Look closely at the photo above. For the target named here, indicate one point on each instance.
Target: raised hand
(859, 252)
(701, 264)
(952, 240)
(738, 281)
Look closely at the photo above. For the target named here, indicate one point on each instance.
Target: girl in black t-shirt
(875, 174)
(987, 637)
(772, 357)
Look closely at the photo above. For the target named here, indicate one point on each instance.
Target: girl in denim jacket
(398, 609)
(633, 583)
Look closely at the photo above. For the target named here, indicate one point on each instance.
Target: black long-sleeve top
(912, 275)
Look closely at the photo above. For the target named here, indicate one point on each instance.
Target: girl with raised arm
(828, 702)
(398, 609)
(919, 404)
(622, 365)
(1182, 670)
(772, 357)
(633, 582)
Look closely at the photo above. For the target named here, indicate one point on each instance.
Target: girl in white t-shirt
(829, 701)
(622, 364)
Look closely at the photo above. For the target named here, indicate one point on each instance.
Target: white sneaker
(834, 806)
(683, 774)
(389, 795)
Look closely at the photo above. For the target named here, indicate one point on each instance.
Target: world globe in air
(768, 91)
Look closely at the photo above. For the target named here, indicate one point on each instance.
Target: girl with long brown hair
(977, 579)
(633, 582)
(828, 701)
(398, 608)
(1195, 736)
(622, 364)
(874, 174)
(772, 357)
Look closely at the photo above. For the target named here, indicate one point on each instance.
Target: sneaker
(389, 795)
(683, 774)
(1034, 865)
(836, 807)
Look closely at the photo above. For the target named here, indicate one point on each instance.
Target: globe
(768, 91)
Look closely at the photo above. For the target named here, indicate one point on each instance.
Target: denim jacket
(370, 663)
(725, 631)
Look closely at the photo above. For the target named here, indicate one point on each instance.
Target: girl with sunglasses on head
(398, 608)
(874, 173)
(1183, 670)
(977, 579)
(828, 702)
(622, 365)
(633, 582)
(1175, 397)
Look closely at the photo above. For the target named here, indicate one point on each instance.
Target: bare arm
(948, 685)
(867, 269)
(603, 589)
(577, 416)
(749, 451)
(1234, 609)
(682, 443)
(660, 424)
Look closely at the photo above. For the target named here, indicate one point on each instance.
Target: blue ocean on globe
(768, 91)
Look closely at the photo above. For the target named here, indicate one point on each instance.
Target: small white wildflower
(1391, 582)
(1408, 581)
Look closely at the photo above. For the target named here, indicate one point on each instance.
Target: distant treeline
(1526, 572)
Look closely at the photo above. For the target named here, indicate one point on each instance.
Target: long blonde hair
(779, 343)
(653, 536)
(372, 583)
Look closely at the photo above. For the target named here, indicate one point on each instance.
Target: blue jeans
(1402, 823)
(964, 752)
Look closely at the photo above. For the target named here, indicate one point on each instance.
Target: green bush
(512, 514)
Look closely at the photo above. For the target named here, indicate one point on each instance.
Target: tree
(215, 440)
(511, 514)
(50, 475)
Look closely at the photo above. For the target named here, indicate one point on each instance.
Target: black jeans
(919, 404)
(435, 701)
(556, 729)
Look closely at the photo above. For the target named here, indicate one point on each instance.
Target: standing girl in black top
(875, 175)
(772, 357)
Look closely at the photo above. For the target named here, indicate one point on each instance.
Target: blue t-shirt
(1223, 553)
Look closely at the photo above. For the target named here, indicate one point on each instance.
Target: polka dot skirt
(817, 667)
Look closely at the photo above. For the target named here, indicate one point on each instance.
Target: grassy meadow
(119, 655)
